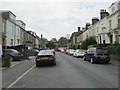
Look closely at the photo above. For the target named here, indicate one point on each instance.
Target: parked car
(33, 52)
(71, 51)
(99, 54)
(14, 54)
(66, 51)
(79, 53)
(45, 57)
(56, 49)
(62, 50)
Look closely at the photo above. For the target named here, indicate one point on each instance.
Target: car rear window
(45, 52)
(102, 51)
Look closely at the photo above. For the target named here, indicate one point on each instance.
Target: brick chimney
(103, 13)
(87, 25)
(94, 20)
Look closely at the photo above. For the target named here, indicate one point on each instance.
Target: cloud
(54, 19)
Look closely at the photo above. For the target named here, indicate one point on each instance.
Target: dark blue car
(97, 55)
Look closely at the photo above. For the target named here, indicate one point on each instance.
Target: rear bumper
(42, 62)
(102, 60)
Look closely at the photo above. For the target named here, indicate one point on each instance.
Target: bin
(6, 62)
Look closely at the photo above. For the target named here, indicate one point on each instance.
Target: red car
(56, 49)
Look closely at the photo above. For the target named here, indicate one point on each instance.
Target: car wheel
(37, 65)
(54, 63)
(92, 61)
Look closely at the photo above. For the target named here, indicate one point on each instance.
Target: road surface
(70, 72)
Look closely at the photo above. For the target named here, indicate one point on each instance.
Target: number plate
(44, 58)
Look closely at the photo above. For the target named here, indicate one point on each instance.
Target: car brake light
(95, 54)
(52, 56)
(37, 58)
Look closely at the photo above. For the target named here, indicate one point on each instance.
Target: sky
(55, 18)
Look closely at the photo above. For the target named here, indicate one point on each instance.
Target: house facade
(0, 36)
(107, 29)
(14, 35)
(9, 28)
(20, 29)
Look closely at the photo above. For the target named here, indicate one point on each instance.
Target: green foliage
(101, 45)
(87, 42)
(78, 46)
(50, 45)
(53, 40)
(90, 46)
(114, 49)
(63, 42)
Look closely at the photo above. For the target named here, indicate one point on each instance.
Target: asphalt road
(70, 72)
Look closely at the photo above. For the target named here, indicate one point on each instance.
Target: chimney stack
(79, 29)
(41, 36)
(94, 20)
(103, 13)
(87, 25)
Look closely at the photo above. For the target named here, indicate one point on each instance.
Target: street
(70, 72)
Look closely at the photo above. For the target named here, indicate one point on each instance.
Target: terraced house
(14, 33)
(105, 30)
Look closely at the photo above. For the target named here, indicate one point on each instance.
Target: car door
(90, 54)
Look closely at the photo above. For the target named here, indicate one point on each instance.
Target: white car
(71, 51)
(79, 53)
(62, 50)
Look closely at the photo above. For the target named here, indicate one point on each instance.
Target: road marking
(20, 77)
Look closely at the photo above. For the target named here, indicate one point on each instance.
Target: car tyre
(37, 65)
(54, 63)
(92, 61)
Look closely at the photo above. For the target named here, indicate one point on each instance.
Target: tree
(63, 42)
(53, 40)
(87, 42)
(50, 45)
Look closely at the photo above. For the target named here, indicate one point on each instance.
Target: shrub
(87, 42)
(114, 49)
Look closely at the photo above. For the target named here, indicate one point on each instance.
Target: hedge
(114, 49)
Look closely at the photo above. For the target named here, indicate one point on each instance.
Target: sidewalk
(14, 63)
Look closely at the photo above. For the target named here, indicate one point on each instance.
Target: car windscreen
(14, 51)
(45, 52)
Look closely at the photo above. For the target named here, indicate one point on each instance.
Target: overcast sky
(55, 18)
